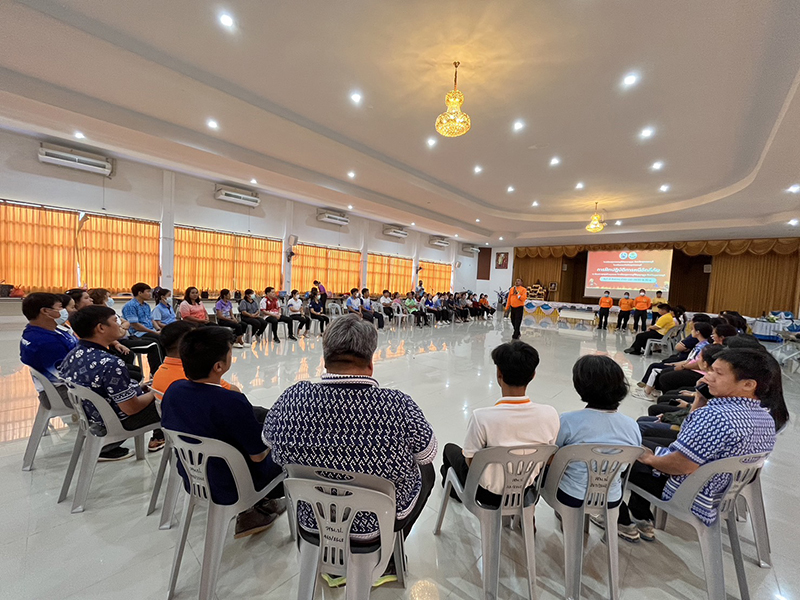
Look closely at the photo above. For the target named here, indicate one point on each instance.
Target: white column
(287, 231)
(168, 231)
(364, 253)
(415, 279)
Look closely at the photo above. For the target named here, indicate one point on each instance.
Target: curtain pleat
(436, 277)
(392, 273)
(338, 270)
(542, 269)
(710, 247)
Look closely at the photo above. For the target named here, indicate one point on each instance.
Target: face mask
(110, 303)
(165, 301)
(606, 295)
(627, 296)
(641, 293)
(63, 316)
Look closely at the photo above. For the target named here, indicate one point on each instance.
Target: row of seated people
(348, 422)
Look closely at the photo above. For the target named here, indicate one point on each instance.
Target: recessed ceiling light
(664, 188)
(477, 220)
(349, 207)
(79, 135)
(794, 222)
(535, 203)
(647, 132)
(510, 189)
(226, 20)
(356, 97)
(579, 185)
(456, 235)
(518, 125)
(657, 166)
(487, 243)
(501, 239)
(212, 124)
(617, 222)
(630, 79)
(253, 181)
(555, 161)
(431, 142)
(351, 174)
(413, 224)
(478, 169)
(793, 189)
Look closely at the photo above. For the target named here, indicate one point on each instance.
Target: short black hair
(248, 292)
(701, 318)
(599, 381)
(717, 321)
(138, 288)
(664, 306)
(87, 319)
(76, 294)
(743, 340)
(354, 290)
(386, 292)
(517, 362)
(364, 290)
(749, 363)
(223, 292)
(267, 290)
(704, 329)
(659, 292)
(709, 353)
(202, 348)
(33, 304)
(173, 333)
(725, 330)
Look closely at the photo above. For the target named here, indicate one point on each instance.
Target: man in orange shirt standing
(641, 305)
(517, 296)
(606, 302)
(625, 307)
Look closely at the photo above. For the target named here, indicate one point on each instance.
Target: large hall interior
(275, 277)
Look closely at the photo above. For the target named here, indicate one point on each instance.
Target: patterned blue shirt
(725, 427)
(351, 424)
(43, 349)
(134, 312)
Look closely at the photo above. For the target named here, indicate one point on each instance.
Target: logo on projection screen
(631, 255)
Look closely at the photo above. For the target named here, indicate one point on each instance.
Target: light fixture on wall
(453, 122)
(596, 223)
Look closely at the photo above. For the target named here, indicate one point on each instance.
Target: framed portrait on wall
(501, 260)
(553, 287)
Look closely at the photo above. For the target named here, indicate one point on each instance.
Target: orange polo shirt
(170, 371)
(625, 304)
(642, 303)
(517, 297)
(606, 302)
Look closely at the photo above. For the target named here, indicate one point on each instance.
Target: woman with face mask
(163, 314)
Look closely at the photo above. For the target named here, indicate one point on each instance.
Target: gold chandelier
(453, 122)
(596, 223)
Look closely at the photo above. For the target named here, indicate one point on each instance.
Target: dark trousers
(420, 317)
(323, 299)
(237, 327)
(622, 319)
(389, 312)
(452, 456)
(654, 318)
(672, 380)
(273, 321)
(641, 339)
(516, 319)
(602, 315)
(372, 317)
(637, 507)
(303, 320)
(323, 320)
(639, 315)
(148, 416)
(659, 365)
(259, 325)
(437, 314)
(154, 354)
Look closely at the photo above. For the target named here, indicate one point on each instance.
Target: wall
(148, 192)
(500, 279)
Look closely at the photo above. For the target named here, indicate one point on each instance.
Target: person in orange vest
(606, 302)
(641, 305)
(625, 307)
(517, 296)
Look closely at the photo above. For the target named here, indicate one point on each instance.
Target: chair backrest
(79, 395)
(335, 309)
(57, 403)
(740, 470)
(518, 464)
(336, 497)
(398, 310)
(604, 463)
(194, 452)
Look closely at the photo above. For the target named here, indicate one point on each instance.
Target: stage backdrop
(620, 271)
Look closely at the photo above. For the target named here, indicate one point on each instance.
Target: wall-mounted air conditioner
(469, 248)
(439, 242)
(334, 218)
(245, 197)
(75, 159)
(395, 231)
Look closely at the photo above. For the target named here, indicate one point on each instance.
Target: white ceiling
(717, 82)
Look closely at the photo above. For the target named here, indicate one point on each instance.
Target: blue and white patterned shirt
(134, 312)
(349, 423)
(725, 427)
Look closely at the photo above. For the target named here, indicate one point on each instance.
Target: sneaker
(598, 520)
(276, 340)
(647, 530)
(238, 345)
(118, 453)
(629, 533)
(277, 506)
(334, 581)
(291, 337)
(389, 575)
(155, 444)
(253, 521)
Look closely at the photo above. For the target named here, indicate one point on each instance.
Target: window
(37, 247)
(391, 273)
(338, 270)
(115, 253)
(435, 276)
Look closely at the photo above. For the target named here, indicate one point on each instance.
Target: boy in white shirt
(513, 421)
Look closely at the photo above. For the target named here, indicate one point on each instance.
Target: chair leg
(163, 465)
(73, 462)
(661, 519)
(491, 530)
(755, 503)
(170, 497)
(38, 430)
(138, 443)
(176, 562)
(736, 551)
(572, 522)
(360, 570)
(527, 524)
(400, 558)
(711, 549)
(443, 507)
(216, 528)
(612, 541)
(291, 511)
(91, 452)
(309, 564)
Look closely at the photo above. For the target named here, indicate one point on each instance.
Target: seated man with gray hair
(348, 422)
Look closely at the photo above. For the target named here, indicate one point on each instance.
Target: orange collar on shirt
(513, 400)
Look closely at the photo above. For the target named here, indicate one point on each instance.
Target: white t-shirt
(386, 301)
(513, 421)
(295, 306)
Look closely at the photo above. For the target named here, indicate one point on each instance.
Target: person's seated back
(602, 385)
(43, 345)
(512, 421)
(199, 405)
(90, 365)
(348, 422)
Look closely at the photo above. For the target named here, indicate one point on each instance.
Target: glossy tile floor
(114, 551)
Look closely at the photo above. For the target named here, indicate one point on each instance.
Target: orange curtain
(37, 247)
(710, 247)
(391, 273)
(258, 263)
(203, 259)
(115, 253)
(338, 270)
(435, 277)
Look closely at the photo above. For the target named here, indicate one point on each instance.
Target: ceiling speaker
(458, 264)
(292, 240)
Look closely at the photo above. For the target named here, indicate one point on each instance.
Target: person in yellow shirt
(656, 301)
(606, 302)
(517, 296)
(664, 323)
(641, 305)
(625, 308)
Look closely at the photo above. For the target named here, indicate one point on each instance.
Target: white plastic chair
(92, 444)
(334, 310)
(400, 314)
(336, 497)
(519, 464)
(194, 452)
(605, 463)
(58, 408)
(141, 351)
(666, 343)
(742, 470)
(751, 501)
